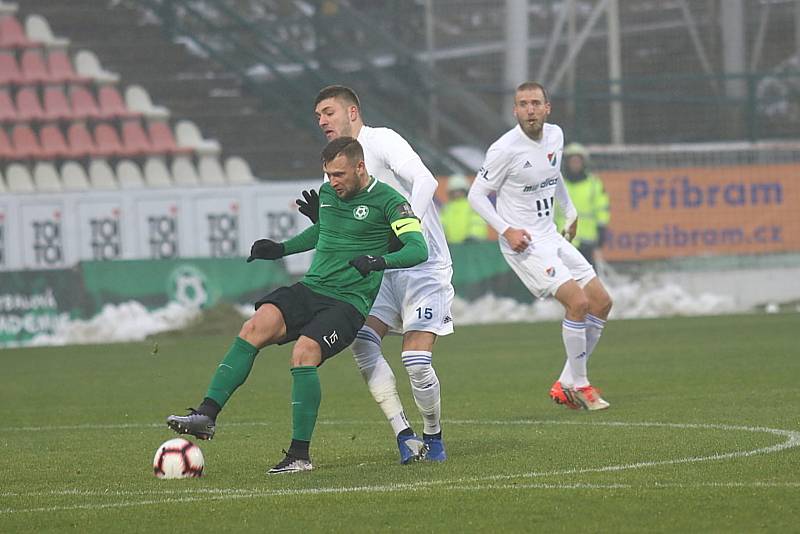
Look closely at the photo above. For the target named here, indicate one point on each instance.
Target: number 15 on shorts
(424, 313)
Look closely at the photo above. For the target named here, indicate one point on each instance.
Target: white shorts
(416, 300)
(548, 264)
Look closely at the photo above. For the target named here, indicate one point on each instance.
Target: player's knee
(579, 306)
(248, 330)
(366, 348)
(419, 369)
(306, 352)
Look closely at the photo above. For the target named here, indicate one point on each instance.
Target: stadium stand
(210, 171)
(37, 29)
(111, 104)
(84, 106)
(129, 175)
(60, 66)
(28, 106)
(12, 34)
(101, 176)
(138, 100)
(183, 172)
(163, 140)
(9, 69)
(156, 173)
(80, 141)
(19, 179)
(46, 178)
(73, 177)
(134, 140)
(33, 67)
(56, 105)
(87, 65)
(107, 142)
(53, 143)
(238, 171)
(25, 143)
(188, 136)
(8, 113)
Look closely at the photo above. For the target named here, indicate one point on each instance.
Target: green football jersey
(354, 227)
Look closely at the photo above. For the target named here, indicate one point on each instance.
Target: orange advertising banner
(701, 211)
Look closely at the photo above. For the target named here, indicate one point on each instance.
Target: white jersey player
(523, 169)
(415, 302)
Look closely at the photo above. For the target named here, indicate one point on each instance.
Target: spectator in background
(589, 196)
(459, 220)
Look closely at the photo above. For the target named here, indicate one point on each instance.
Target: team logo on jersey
(361, 212)
(551, 271)
(551, 157)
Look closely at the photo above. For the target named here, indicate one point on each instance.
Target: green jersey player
(324, 311)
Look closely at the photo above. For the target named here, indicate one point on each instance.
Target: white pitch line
(793, 440)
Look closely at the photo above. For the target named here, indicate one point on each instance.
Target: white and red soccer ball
(178, 458)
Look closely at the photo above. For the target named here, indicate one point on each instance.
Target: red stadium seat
(60, 67)
(25, 143)
(12, 35)
(111, 103)
(80, 141)
(53, 143)
(6, 150)
(8, 113)
(28, 106)
(107, 141)
(9, 70)
(34, 69)
(56, 106)
(163, 141)
(134, 140)
(83, 103)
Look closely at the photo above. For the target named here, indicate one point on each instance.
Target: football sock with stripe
(594, 329)
(573, 334)
(379, 377)
(231, 373)
(306, 398)
(425, 387)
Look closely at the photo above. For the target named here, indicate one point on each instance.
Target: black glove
(367, 264)
(309, 207)
(266, 249)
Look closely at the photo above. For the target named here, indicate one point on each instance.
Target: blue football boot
(435, 449)
(412, 448)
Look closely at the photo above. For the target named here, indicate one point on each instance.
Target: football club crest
(361, 212)
(551, 157)
(551, 272)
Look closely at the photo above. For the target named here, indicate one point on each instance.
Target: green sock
(306, 396)
(232, 372)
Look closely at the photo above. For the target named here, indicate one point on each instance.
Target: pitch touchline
(793, 440)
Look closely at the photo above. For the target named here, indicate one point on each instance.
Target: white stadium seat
(19, 179)
(138, 99)
(129, 175)
(101, 176)
(38, 29)
(238, 171)
(73, 176)
(183, 171)
(45, 178)
(188, 136)
(211, 172)
(87, 64)
(156, 173)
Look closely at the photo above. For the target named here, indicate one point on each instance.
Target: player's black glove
(367, 264)
(310, 206)
(266, 249)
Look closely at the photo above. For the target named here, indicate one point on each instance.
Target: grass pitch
(703, 434)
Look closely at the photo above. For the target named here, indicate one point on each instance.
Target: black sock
(210, 408)
(406, 433)
(299, 449)
(438, 435)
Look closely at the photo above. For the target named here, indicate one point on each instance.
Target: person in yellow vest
(459, 220)
(589, 196)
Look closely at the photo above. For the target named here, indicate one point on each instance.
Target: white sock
(425, 387)
(574, 335)
(379, 377)
(594, 329)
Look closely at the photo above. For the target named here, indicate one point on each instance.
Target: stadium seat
(211, 172)
(25, 143)
(138, 100)
(101, 176)
(28, 106)
(162, 139)
(111, 103)
(60, 68)
(9, 70)
(56, 106)
(18, 179)
(156, 173)
(73, 176)
(107, 141)
(53, 143)
(188, 136)
(129, 175)
(183, 171)
(37, 29)
(8, 113)
(6, 150)
(45, 178)
(12, 35)
(87, 64)
(80, 141)
(33, 67)
(134, 140)
(238, 171)
(83, 103)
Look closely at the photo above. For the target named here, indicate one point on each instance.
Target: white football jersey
(527, 178)
(385, 154)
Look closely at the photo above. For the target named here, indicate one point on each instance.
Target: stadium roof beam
(555, 38)
(691, 26)
(572, 52)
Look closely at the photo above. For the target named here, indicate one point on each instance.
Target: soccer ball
(178, 458)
